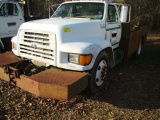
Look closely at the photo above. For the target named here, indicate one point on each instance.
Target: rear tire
(99, 74)
(139, 49)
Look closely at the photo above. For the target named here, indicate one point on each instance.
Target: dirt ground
(133, 93)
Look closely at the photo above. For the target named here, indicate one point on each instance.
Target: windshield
(80, 10)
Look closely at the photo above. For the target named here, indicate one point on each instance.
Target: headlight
(14, 46)
(80, 59)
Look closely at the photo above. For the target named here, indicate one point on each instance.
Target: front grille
(37, 45)
(38, 38)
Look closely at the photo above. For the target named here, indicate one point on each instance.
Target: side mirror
(125, 12)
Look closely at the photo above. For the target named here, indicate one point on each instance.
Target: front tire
(99, 73)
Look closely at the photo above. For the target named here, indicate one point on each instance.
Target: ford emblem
(34, 46)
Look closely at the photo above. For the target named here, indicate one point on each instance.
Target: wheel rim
(101, 73)
(139, 48)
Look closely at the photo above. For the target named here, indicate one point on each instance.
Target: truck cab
(77, 29)
(83, 36)
(11, 17)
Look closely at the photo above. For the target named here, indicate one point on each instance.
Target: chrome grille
(37, 45)
(38, 38)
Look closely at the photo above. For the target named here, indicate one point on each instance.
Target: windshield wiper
(81, 17)
(57, 16)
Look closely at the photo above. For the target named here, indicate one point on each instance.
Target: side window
(112, 14)
(3, 10)
(8, 9)
(12, 9)
(15, 10)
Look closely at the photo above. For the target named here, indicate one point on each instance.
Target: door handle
(11, 24)
(114, 35)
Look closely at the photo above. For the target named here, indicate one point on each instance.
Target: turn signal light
(85, 59)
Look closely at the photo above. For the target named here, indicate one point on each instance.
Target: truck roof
(86, 1)
(109, 1)
(8, 1)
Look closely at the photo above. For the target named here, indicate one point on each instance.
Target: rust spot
(58, 77)
(8, 58)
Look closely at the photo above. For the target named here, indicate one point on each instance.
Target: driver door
(113, 25)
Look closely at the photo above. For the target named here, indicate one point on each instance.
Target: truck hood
(58, 21)
(68, 29)
(59, 24)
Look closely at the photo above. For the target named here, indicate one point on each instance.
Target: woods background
(143, 11)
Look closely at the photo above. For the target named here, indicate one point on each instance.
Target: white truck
(82, 38)
(11, 17)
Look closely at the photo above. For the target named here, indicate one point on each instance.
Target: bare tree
(143, 11)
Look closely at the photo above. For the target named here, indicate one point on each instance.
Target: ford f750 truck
(73, 50)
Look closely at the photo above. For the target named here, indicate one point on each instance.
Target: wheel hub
(101, 73)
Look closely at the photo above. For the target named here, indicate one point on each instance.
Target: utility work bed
(51, 83)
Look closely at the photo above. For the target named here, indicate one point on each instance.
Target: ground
(133, 93)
